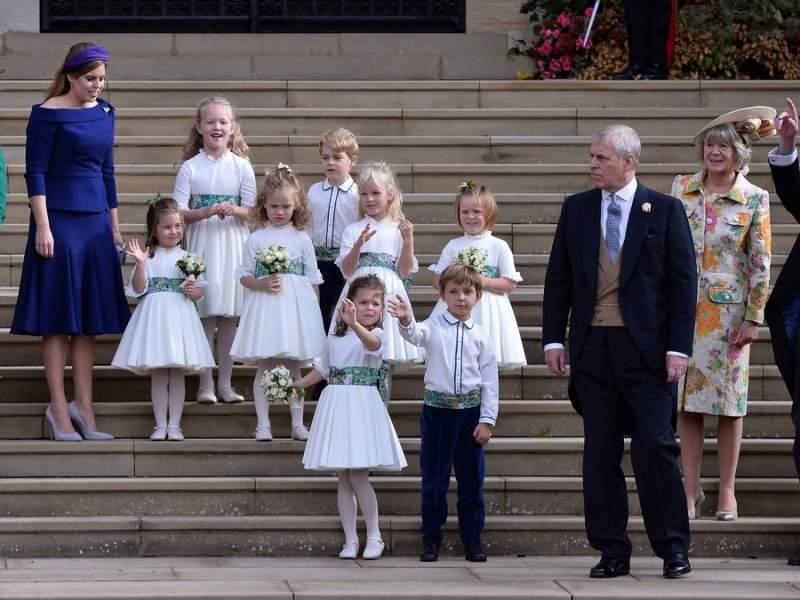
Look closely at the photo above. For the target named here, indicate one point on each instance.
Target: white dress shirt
(460, 359)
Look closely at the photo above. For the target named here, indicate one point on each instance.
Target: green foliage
(722, 39)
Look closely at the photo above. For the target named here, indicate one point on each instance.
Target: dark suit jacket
(658, 279)
(787, 185)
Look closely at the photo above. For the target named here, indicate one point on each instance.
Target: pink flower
(588, 12)
(566, 63)
(540, 64)
(555, 66)
(547, 75)
(548, 33)
(556, 33)
(546, 48)
(564, 20)
(579, 42)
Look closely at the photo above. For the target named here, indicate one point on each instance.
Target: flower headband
(283, 168)
(155, 199)
(466, 186)
(86, 56)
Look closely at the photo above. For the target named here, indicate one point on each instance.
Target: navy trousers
(447, 442)
(330, 290)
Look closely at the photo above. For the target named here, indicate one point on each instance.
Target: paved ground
(388, 578)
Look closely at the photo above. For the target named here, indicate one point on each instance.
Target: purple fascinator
(85, 56)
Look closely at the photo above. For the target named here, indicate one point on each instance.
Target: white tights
(354, 484)
(167, 390)
(262, 405)
(225, 328)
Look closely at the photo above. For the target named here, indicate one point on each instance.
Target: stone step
(373, 121)
(292, 150)
(315, 495)
(431, 178)
(529, 417)
(308, 536)
(262, 93)
(526, 457)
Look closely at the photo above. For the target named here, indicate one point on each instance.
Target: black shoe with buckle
(676, 566)
(630, 72)
(430, 552)
(610, 567)
(473, 552)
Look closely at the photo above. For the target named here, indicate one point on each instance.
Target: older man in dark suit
(622, 272)
(783, 307)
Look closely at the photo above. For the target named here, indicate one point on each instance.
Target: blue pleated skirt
(79, 290)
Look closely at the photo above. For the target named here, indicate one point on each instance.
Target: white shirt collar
(449, 318)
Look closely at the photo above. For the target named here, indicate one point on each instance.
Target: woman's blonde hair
(726, 134)
(60, 84)
(484, 197)
(365, 282)
(156, 209)
(384, 177)
(280, 178)
(236, 143)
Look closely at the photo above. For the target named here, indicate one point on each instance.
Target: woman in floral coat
(730, 223)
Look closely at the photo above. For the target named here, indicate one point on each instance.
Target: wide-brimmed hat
(756, 120)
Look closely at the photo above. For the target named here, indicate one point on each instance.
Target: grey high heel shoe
(88, 434)
(56, 434)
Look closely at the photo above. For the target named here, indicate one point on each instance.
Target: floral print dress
(732, 243)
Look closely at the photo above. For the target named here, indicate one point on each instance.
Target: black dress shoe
(654, 72)
(794, 560)
(610, 567)
(676, 565)
(430, 553)
(630, 72)
(474, 552)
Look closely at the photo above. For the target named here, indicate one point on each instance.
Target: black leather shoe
(794, 560)
(630, 72)
(610, 567)
(474, 552)
(654, 72)
(430, 553)
(676, 565)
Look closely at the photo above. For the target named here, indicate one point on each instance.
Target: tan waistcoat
(606, 306)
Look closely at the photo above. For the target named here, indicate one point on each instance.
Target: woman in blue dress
(71, 286)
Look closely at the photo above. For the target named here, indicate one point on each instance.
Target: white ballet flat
(349, 550)
(300, 432)
(205, 395)
(174, 434)
(264, 434)
(373, 549)
(159, 433)
(230, 395)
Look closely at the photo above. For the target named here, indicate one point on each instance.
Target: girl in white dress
(281, 321)
(215, 188)
(352, 432)
(164, 335)
(476, 213)
(381, 244)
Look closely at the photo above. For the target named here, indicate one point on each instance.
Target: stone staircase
(221, 493)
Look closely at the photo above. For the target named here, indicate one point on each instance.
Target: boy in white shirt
(333, 203)
(459, 408)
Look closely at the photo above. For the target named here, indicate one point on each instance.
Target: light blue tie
(612, 228)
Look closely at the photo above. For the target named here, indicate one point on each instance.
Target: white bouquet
(278, 386)
(274, 258)
(473, 257)
(191, 265)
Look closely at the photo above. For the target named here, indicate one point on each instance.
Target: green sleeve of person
(3, 186)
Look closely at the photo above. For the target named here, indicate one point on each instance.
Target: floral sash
(455, 401)
(326, 254)
(296, 268)
(367, 376)
(164, 284)
(206, 200)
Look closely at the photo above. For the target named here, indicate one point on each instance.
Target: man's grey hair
(622, 138)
